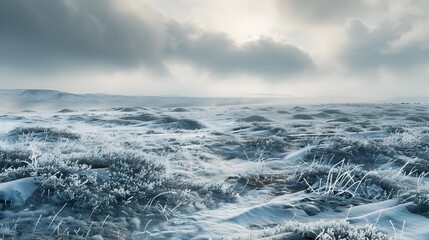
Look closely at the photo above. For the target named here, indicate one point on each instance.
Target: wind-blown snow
(357, 170)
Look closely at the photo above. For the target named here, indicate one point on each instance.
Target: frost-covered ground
(283, 172)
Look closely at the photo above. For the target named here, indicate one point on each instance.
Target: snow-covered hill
(41, 99)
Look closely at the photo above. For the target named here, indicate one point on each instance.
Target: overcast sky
(359, 48)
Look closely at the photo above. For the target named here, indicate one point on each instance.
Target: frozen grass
(111, 174)
(43, 133)
(345, 171)
(128, 177)
(324, 230)
(368, 152)
(13, 156)
(100, 182)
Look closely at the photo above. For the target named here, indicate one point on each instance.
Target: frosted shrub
(13, 155)
(136, 178)
(43, 134)
(352, 150)
(325, 230)
(128, 177)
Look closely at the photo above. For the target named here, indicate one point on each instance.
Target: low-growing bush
(43, 133)
(325, 230)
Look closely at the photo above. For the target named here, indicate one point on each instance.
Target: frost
(319, 172)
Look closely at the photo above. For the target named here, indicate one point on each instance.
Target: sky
(371, 49)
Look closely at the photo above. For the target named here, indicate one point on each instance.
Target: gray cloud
(218, 54)
(321, 11)
(59, 33)
(55, 35)
(371, 49)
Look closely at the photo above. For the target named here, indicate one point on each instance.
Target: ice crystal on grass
(116, 172)
(43, 133)
(324, 230)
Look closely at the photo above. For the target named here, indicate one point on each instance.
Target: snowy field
(352, 171)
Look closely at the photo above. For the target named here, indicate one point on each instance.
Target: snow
(18, 191)
(202, 171)
(41, 99)
(299, 154)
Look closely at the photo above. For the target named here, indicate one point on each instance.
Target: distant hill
(411, 99)
(41, 99)
(38, 95)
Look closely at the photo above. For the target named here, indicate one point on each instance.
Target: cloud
(59, 35)
(385, 46)
(398, 42)
(321, 11)
(416, 36)
(221, 56)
